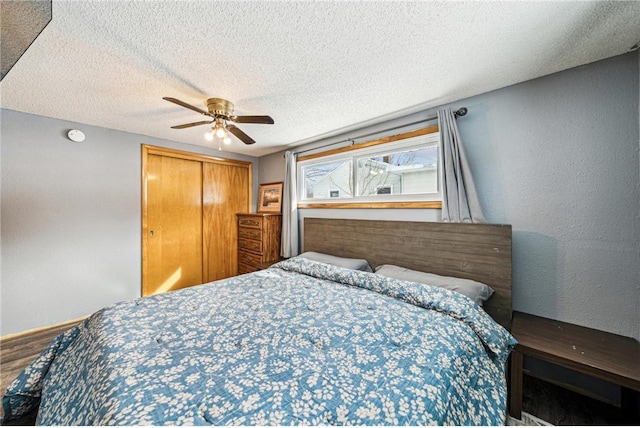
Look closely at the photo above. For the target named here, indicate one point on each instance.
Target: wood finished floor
(16, 353)
(548, 402)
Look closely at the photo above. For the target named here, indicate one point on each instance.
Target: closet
(189, 206)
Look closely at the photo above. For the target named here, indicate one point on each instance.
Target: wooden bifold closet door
(189, 206)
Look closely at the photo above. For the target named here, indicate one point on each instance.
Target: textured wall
(71, 219)
(271, 168)
(557, 158)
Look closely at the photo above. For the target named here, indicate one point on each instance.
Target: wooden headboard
(481, 252)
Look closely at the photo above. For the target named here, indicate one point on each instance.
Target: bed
(303, 342)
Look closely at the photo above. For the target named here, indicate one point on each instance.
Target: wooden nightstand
(606, 356)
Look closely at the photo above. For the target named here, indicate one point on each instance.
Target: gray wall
(271, 168)
(71, 218)
(557, 158)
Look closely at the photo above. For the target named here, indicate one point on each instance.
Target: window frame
(386, 186)
(421, 138)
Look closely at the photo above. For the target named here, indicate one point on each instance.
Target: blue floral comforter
(299, 343)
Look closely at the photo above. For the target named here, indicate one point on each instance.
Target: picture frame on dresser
(270, 198)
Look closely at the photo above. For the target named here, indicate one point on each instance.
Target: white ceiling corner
(316, 67)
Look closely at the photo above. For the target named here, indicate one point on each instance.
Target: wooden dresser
(258, 240)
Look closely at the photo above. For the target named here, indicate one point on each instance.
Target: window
(327, 179)
(410, 172)
(402, 169)
(383, 190)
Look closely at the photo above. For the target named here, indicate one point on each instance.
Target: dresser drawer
(258, 240)
(252, 222)
(249, 233)
(242, 268)
(248, 258)
(250, 244)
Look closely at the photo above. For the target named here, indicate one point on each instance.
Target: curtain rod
(460, 112)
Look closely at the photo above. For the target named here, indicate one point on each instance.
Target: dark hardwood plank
(11, 370)
(18, 351)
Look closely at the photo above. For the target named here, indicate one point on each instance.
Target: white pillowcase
(476, 291)
(355, 264)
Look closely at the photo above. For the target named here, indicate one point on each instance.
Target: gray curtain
(289, 242)
(459, 198)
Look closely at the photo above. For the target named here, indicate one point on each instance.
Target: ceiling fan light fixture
(221, 111)
(219, 128)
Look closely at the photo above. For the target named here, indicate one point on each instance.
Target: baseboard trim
(27, 333)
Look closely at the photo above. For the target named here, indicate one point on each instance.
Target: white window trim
(420, 141)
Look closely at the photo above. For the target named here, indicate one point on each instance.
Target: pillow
(476, 291)
(355, 264)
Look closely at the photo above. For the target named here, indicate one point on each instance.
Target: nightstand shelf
(603, 355)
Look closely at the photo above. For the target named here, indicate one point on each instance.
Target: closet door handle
(151, 233)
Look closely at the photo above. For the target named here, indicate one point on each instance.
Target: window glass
(328, 180)
(400, 169)
(406, 172)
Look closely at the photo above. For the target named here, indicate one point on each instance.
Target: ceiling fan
(221, 111)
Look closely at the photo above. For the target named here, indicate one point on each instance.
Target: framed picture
(270, 198)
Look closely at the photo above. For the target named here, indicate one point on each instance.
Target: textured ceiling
(20, 23)
(317, 68)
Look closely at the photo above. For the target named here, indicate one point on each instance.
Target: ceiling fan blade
(241, 135)
(183, 104)
(252, 119)
(189, 125)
